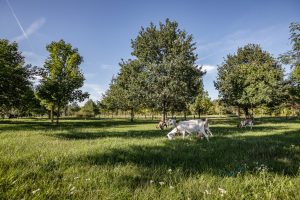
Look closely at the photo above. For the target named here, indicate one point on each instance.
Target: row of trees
(164, 77)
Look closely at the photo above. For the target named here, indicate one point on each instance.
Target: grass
(116, 159)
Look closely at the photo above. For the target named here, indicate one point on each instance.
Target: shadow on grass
(221, 156)
(19, 125)
(78, 135)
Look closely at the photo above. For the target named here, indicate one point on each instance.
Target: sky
(102, 30)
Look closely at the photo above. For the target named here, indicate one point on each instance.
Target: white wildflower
(161, 183)
(151, 181)
(87, 179)
(169, 170)
(207, 192)
(222, 191)
(35, 191)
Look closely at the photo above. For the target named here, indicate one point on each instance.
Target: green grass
(105, 159)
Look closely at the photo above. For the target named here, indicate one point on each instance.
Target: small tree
(90, 109)
(61, 78)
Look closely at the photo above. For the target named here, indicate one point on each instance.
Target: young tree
(202, 104)
(62, 77)
(249, 78)
(15, 85)
(168, 55)
(89, 109)
(292, 58)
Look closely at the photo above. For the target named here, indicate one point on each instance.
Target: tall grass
(116, 159)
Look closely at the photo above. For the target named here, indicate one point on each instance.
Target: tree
(292, 58)
(89, 109)
(249, 78)
(131, 82)
(15, 84)
(168, 56)
(202, 104)
(61, 78)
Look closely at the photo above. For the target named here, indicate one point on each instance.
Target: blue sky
(102, 30)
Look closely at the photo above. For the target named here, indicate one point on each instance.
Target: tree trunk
(164, 112)
(246, 110)
(239, 111)
(184, 113)
(131, 114)
(199, 113)
(51, 113)
(57, 116)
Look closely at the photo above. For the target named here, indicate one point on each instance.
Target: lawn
(117, 159)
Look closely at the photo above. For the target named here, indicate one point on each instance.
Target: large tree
(15, 84)
(249, 78)
(168, 55)
(61, 78)
(292, 58)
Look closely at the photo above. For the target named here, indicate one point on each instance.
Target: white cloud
(33, 58)
(36, 25)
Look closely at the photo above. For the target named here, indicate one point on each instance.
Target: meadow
(117, 159)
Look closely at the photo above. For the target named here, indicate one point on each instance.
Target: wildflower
(35, 191)
(87, 179)
(161, 183)
(151, 181)
(207, 192)
(222, 191)
(169, 170)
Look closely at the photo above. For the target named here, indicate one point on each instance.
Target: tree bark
(57, 115)
(51, 113)
(199, 113)
(164, 112)
(246, 110)
(239, 111)
(131, 114)
(184, 113)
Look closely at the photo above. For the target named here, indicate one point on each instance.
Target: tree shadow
(17, 125)
(79, 135)
(222, 156)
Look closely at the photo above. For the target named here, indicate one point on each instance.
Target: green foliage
(168, 55)
(202, 104)
(249, 78)
(62, 77)
(15, 86)
(90, 109)
(292, 58)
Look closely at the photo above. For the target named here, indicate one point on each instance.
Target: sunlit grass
(116, 159)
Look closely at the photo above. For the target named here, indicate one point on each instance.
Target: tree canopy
(249, 78)
(15, 86)
(168, 55)
(62, 77)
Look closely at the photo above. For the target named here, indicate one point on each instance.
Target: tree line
(162, 77)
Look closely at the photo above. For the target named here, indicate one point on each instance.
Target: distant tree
(15, 76)
(90, 109)
(292, 58)
(61, 78)
(249, 78)
(72, 109)
(202, 104)
(168, 56)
